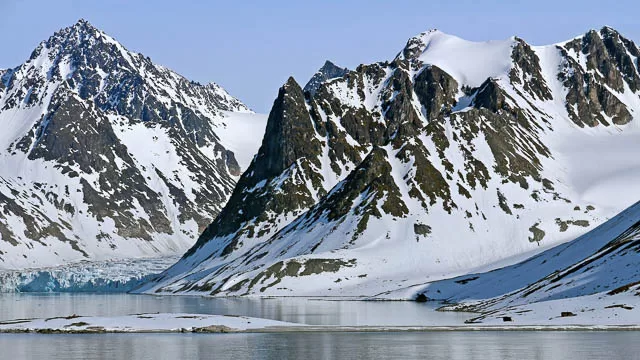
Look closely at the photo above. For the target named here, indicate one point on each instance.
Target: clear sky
(251, 47)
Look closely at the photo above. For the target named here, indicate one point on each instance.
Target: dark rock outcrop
(328, 71)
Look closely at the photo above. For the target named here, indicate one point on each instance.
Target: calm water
(298, 310)
(399, 345)
(427, 345)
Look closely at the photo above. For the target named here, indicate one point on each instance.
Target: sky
(252, 47)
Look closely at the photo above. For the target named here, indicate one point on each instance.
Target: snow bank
(142, 323)
(593, 310)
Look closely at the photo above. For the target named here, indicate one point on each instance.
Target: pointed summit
(77, 32)
(608, 30)
(107, 130)
(289, 132)
(84, 43)
(276, 180)
(328, 71)
(83, 24)
(291, 82)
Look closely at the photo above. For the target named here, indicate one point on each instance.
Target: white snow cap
(469, 62)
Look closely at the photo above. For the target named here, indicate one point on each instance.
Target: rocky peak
(74, 39)
(595, 66)
(598, 58)
(607, 54)
(81, 29)
(276, 181)
(526, 71)
(619, 49)
(328, 71)
(490, 96)
(101, 70)
(417, 45)
(370, 189)
(289, 134)
(436, 90)
(100, 136)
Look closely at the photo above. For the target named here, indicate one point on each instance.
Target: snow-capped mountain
(453, 156)
(105, 154)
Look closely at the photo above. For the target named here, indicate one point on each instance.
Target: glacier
(112, 276)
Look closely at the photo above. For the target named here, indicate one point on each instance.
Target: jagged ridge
(107, 154)
(464, 139)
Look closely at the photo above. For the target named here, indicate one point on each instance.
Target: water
(394, 345)
(427, 345)
(298, 310)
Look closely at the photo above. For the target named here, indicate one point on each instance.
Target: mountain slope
(107, 155)
(590, 273)
(449, 158)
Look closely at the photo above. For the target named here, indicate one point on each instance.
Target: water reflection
(300, 310)
(426, 345)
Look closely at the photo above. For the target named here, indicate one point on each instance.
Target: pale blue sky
(251, 47)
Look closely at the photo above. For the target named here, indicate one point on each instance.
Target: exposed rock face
(429, 164)
(328, 71)
(527, 71)
(105, 154)
(436, 90)
(277, 181)
(597, 66)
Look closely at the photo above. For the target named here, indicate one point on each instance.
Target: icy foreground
(202, 323)
(593, 311)
(142, 323)
(454, 157)
(86, 276)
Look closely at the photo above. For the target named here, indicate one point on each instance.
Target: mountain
(105, 154)
(452, 157)
(328, 71)
(592, 277)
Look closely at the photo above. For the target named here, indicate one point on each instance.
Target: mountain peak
(291, 83)
(416, 45)
(328, 71)
(328, 64)
(78, 30)
(429, 32)
(83, 24)
(78, 38)
(107, 130)
(608, 31)
(469, 62)
(288, 127)
(608, 28)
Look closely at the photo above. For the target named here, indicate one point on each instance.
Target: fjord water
(298, 310)
(410, 345)
(349, 345)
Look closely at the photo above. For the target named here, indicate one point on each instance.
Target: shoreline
(221, 329)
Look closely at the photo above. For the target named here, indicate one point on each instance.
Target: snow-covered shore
(598, 310)
(142, 323)
(521, 320)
